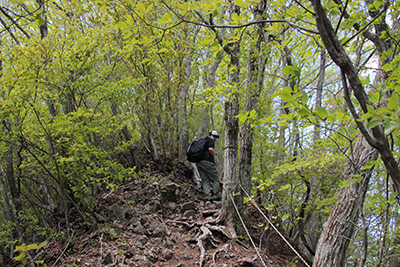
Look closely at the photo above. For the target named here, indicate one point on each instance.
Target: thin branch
(14, 22)
(212, 26)
(354, 113)
(293, 25)
(341, 16)
(9, 31)
(306, 9)
(363, 28)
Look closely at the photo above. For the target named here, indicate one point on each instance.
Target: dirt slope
(161, 220)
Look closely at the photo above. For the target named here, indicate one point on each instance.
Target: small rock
(170, 191)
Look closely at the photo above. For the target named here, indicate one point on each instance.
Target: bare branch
(14, 22)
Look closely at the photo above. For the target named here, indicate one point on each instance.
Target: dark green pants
(209, 179)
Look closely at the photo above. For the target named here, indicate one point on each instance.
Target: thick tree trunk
(231, 196)
(338, 230)
(378, 140)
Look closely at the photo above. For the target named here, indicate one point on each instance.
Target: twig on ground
(179, 222)
(101, 248)
(65, 248)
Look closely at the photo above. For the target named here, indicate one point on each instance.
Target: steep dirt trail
(162, 221)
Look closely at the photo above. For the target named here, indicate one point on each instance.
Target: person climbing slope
(208, 170)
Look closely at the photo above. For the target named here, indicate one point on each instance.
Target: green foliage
(23, 249)
(57, 94)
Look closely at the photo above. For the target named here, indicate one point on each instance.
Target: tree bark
(255, 78)
(231, 196)
(338, 230)
(377, 140)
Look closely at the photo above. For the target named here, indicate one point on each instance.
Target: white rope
(252, 242)
(273, 226)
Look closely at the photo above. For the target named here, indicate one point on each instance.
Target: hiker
(208, 170)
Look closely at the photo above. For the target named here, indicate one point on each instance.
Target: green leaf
(375, 121)
(150, 7)
(393, 125)
(368, 165)
(121, 25)
(297, 71)
(141, 7)
(304, 112)
(163, 50)
(322, 112)
(392, 102)
(20, 257)
(287, 96)
(387, 67)
(240, 3)
(288, 70)
(287, 186)
(344, 183)
(236, 18)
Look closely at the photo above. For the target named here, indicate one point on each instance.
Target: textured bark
(378, 140)
(231, 196)
(338, 230)
(255, 78)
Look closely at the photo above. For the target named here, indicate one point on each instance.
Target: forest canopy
(304, 94)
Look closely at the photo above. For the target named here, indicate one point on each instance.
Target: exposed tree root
(200, 239)
(226, 248)
(220, 229)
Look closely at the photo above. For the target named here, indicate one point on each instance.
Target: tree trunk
(231, 196)
(255, 78)
(318, 97)
(378, 140)
(183, 134)
(338, 230)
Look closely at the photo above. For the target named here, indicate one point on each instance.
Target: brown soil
(140, 224)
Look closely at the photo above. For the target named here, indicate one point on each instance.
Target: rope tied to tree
(245, 228)
(273, 226)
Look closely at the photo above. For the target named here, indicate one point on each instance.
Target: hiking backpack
(196, 150)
